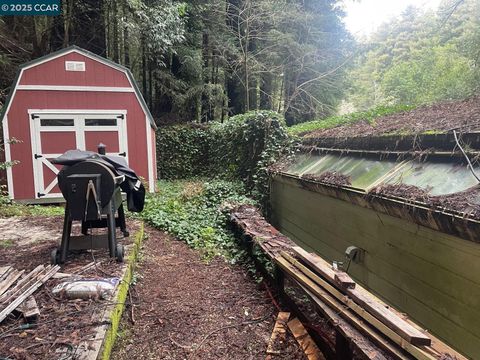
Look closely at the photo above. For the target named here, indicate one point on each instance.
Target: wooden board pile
(372, 328)
(356, 306)
(17, 289)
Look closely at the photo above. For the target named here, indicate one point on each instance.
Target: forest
(202, 61)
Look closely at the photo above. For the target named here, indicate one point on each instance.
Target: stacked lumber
(356, 306)
(18, 296)
(372, 328)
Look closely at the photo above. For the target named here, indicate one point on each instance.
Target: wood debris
(29, 309)
(278, 333)
(385, 315)
(14, 296)
(8, 278)
(311, 350)
(372, 328)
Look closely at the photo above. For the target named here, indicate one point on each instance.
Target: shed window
(100, 122)
(56, 122)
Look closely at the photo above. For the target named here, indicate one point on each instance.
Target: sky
(364, 16)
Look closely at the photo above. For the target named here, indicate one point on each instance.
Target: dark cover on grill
(132, 185)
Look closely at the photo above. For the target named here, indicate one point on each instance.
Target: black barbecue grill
(92, 185)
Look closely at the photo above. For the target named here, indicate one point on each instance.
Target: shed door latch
(37, 156)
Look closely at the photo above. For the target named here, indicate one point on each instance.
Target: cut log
(311, 350)
(29, 308)
(361, 297)
(328, 293)
(278, 333)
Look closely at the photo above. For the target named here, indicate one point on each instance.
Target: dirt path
(187, 309)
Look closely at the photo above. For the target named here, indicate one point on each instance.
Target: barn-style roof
(90, 55)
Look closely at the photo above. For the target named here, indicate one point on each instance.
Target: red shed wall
(53, 72)
(154, 157)
(19, 127)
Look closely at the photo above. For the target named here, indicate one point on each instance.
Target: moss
(116, 314)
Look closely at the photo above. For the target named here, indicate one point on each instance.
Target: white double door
(55, 132)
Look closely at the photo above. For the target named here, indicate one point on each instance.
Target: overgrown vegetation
(9, 208)
(196, 212)
(334, 121)
(420, 57)
(201, 60)
(242, 149)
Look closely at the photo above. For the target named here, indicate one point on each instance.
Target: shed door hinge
(39, 194)
(121, 116)
(37, 156)
(123, 154)
(33, 116)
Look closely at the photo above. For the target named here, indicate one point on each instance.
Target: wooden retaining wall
(432, 276)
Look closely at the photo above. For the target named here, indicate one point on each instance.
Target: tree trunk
(266, 92)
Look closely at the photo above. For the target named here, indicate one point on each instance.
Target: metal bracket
(40, 194)
(123, 154)
(37, 156)
(33, 116)
(355, 254)
(121, 116)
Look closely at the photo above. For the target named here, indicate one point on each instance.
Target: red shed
(73, 99)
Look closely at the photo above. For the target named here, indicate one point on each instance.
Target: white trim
(8, 157)
(75, 66)
(151, 184)
(50, 165)
(13, 95)
(76, 88)
(33, 148)
(119, 68)
(77, 111)
(79, 130)
(123, 136)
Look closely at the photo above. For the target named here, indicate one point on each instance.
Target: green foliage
(334, 121)
(420, 57)
(241, 148)
(431, 75)
(196, 212)
(9, 208)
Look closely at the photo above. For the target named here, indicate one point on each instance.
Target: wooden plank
(432, 311)
(60, 275)
(309, 347)
(278, 333)
(363, 346)
(400, 246)
(3, 271)
(344, 280)
(21, 283)
(29, 308)
(29, 291)
(389, 318)
(331, 296)
(10, 280)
